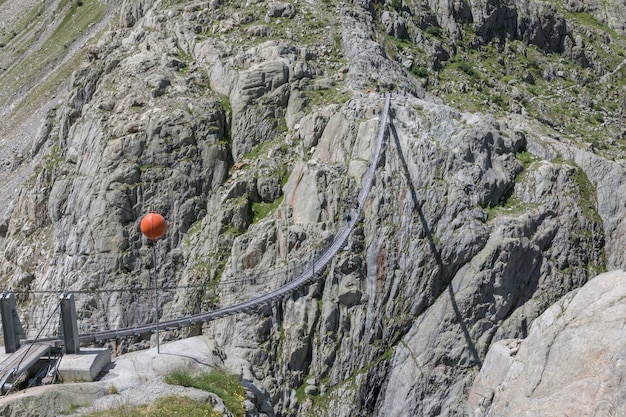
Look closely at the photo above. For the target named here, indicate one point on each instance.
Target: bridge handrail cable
(304, 278)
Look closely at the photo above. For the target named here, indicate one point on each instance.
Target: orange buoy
(153, 226)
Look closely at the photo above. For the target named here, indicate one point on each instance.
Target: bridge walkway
(25, 361)
(304, 278)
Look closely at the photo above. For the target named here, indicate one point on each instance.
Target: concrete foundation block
(84, 366)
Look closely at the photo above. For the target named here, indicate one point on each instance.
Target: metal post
(69, 325)
(11, 326)
(156, 295)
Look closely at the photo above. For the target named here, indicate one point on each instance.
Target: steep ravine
(249, 127)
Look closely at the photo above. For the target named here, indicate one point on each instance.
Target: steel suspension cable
(304, 278)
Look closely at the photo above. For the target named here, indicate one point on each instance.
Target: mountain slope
(249, 127)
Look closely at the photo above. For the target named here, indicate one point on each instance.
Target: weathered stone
(394, 25)
(269, 188)
(311, 128)
(132, 11)
(311, 390)
(280, 9)
(254, 124)
(471, 230)
(570, 363)
(323, 84)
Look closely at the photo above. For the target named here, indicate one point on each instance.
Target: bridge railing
(113, 313)
(107, 311)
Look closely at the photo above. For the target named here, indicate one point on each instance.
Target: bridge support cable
(15, 369)
(27, 359)
(303, 279)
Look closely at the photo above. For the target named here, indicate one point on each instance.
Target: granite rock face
(571, 363)
(610, 13)
(250, 127)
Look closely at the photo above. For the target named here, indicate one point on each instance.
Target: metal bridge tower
(69, 324)
(12, 330)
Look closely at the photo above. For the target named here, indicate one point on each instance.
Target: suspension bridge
(25, 357)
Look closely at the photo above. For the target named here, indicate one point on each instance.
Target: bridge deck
(22, 360)
(25, 357)
(303, 279)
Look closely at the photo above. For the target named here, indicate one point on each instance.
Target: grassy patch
(560, 93)
(225, 103)
(526, 158)
(54, 158)
(262, 210)
(224, 385)
(433, 32)
(420, 71)
(300, 394)
(34, 66)
(510, 205)
(587, 195)
(163, 407)
(195, 228)
(467, 68)
(284, 174)
(264, 148)
(328, 96)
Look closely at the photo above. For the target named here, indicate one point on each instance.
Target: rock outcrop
(250, 127)
(610, 13)
(571, 363)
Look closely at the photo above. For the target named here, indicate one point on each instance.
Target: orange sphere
(153, 226)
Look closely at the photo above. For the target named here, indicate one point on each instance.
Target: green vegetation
(36, 64)
(225, 103)
(262, 210)
(510, 203)
(226, 386)
(74, 25)
(433, 31)
(332, 95)
(54, 158)
(500, 75)
(195, 228)
(587, 195)
(526, 158)
(163, 407)
(322, 401)
(284, 174)
(186, 58)
(300, 394)
(598, 118)
(420, 71)
(263, 148)
(467, 68)
(208, 270)
(28, 20)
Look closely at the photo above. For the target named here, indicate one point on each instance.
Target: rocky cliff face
(534, 376)
(249, 127)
